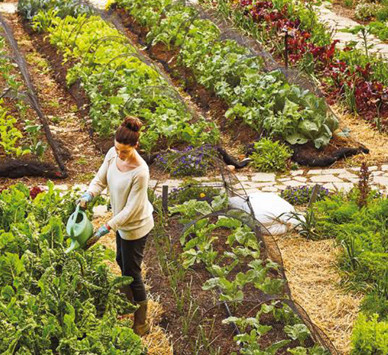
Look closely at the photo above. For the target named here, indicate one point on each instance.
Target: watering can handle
(75, 214)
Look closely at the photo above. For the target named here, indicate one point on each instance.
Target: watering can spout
(74, 245)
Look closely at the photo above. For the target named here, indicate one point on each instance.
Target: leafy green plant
(382, 14)
(362, 233)
(370, 336)
(249, 340)
(375, 303)
(36, 146)
(297, 332)
(236, 267)
(30, 8)
(306, 224)
(53, 302)
(364, 30)
(365, 10)
(10, 134)
(270, 156)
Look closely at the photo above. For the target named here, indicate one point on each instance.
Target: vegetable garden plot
(215, 254)
(220, 252)
(116, 82)
(187, 41)
(353, 77)
(52, 302)
(26, 139)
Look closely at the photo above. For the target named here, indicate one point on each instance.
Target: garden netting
(223, 179)
(19, 167)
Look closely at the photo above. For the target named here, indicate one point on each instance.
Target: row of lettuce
(114, 76)
(52, 302)
(118, 82)
(224, 243)
(351, 76)
(20, 134)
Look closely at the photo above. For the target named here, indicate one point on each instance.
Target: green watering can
(79, 228)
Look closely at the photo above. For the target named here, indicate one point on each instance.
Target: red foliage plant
(370, 96)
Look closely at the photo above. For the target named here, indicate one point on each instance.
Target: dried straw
(362, 132)
(157, 342)
(313, 279)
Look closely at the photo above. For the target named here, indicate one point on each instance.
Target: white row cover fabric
(273, 212)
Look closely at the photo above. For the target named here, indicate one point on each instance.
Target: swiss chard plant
(52, 302)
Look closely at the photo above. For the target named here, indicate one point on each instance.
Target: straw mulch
(313, 279)
(156, 341)
(362, 132)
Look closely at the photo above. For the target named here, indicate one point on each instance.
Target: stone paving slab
(100, 4)
(261, 177)
(325, 178)
(8, 7)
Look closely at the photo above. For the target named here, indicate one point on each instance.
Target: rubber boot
(141, 326)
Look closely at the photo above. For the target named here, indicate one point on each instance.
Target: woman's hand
(85, 199)
(100, 233)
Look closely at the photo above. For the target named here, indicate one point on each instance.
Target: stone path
(336, 23)
(331, 179)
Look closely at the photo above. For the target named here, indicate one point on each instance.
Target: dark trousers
(129, 256)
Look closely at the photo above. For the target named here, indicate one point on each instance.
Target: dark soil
(340, 9)
(10, 100)
(221, 336)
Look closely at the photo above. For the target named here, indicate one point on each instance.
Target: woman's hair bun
(132, 123)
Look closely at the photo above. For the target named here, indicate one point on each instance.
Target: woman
(126, 175)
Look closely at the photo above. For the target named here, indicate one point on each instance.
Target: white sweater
(132, 210)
